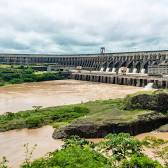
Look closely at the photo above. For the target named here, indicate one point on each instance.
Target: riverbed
(52, 93)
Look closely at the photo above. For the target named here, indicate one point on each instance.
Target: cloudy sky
(82, 26)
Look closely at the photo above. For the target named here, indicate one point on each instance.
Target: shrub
(59, 124)
(72, 157)
(9, 115)
(140, 162)
(33, 122)
(81, 109)
(16, 80)
(76, 140)
(157, 102)
(120, 146)
(2, 83)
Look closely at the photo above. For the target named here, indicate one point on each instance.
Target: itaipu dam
(125, 68)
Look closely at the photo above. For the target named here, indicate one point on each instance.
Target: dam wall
(139, 81)
(135, 62)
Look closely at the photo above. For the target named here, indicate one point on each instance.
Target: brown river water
(53, 93)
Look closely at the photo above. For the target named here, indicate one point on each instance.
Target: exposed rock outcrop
(144, 123)
(157, 102)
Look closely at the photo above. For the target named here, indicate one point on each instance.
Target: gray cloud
(82, 26)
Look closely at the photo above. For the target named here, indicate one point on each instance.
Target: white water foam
(149, 86)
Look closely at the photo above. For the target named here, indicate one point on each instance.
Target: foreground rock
(143, 123)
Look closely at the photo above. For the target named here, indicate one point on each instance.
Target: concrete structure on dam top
(124, 68)
(133, 62)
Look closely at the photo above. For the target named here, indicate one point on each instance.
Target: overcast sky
(82, 26)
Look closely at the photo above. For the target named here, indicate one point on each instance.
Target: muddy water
(161, 135)
(12, 144)
(24, 96)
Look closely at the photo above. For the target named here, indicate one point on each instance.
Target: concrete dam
(127, 68)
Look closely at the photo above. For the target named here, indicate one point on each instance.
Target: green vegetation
(21, 74)
(120, 146)
(104, 111)
(140, 162)
(37, 118)
(97, 112)
(122, 151)
(157, 101)
(3, 162)
(59, 124)
(159, 147)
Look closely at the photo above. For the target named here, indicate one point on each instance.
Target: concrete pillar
(108, 79)
(138, 82)
(104, 79)
(97, 78)
(159, 84)
(111, 79)
(116, 80)
(155, 84)
(166, 84)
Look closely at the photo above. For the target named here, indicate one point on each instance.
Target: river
(52, 93)
(19, 97)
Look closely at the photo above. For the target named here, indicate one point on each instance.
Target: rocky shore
(144, 123)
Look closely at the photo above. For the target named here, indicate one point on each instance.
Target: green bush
(2, 83)
(140, 162)
(34, 122)
(15, 81)
(76, 140)
(81, 109)
(120, 146)
(59, 124)
(39, 117)
(157, 102)
(71, 157)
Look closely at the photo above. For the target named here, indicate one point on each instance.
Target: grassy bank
(39, 117)
(97, 111)
(21, 74)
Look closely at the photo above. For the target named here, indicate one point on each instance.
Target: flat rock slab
(144, 123)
